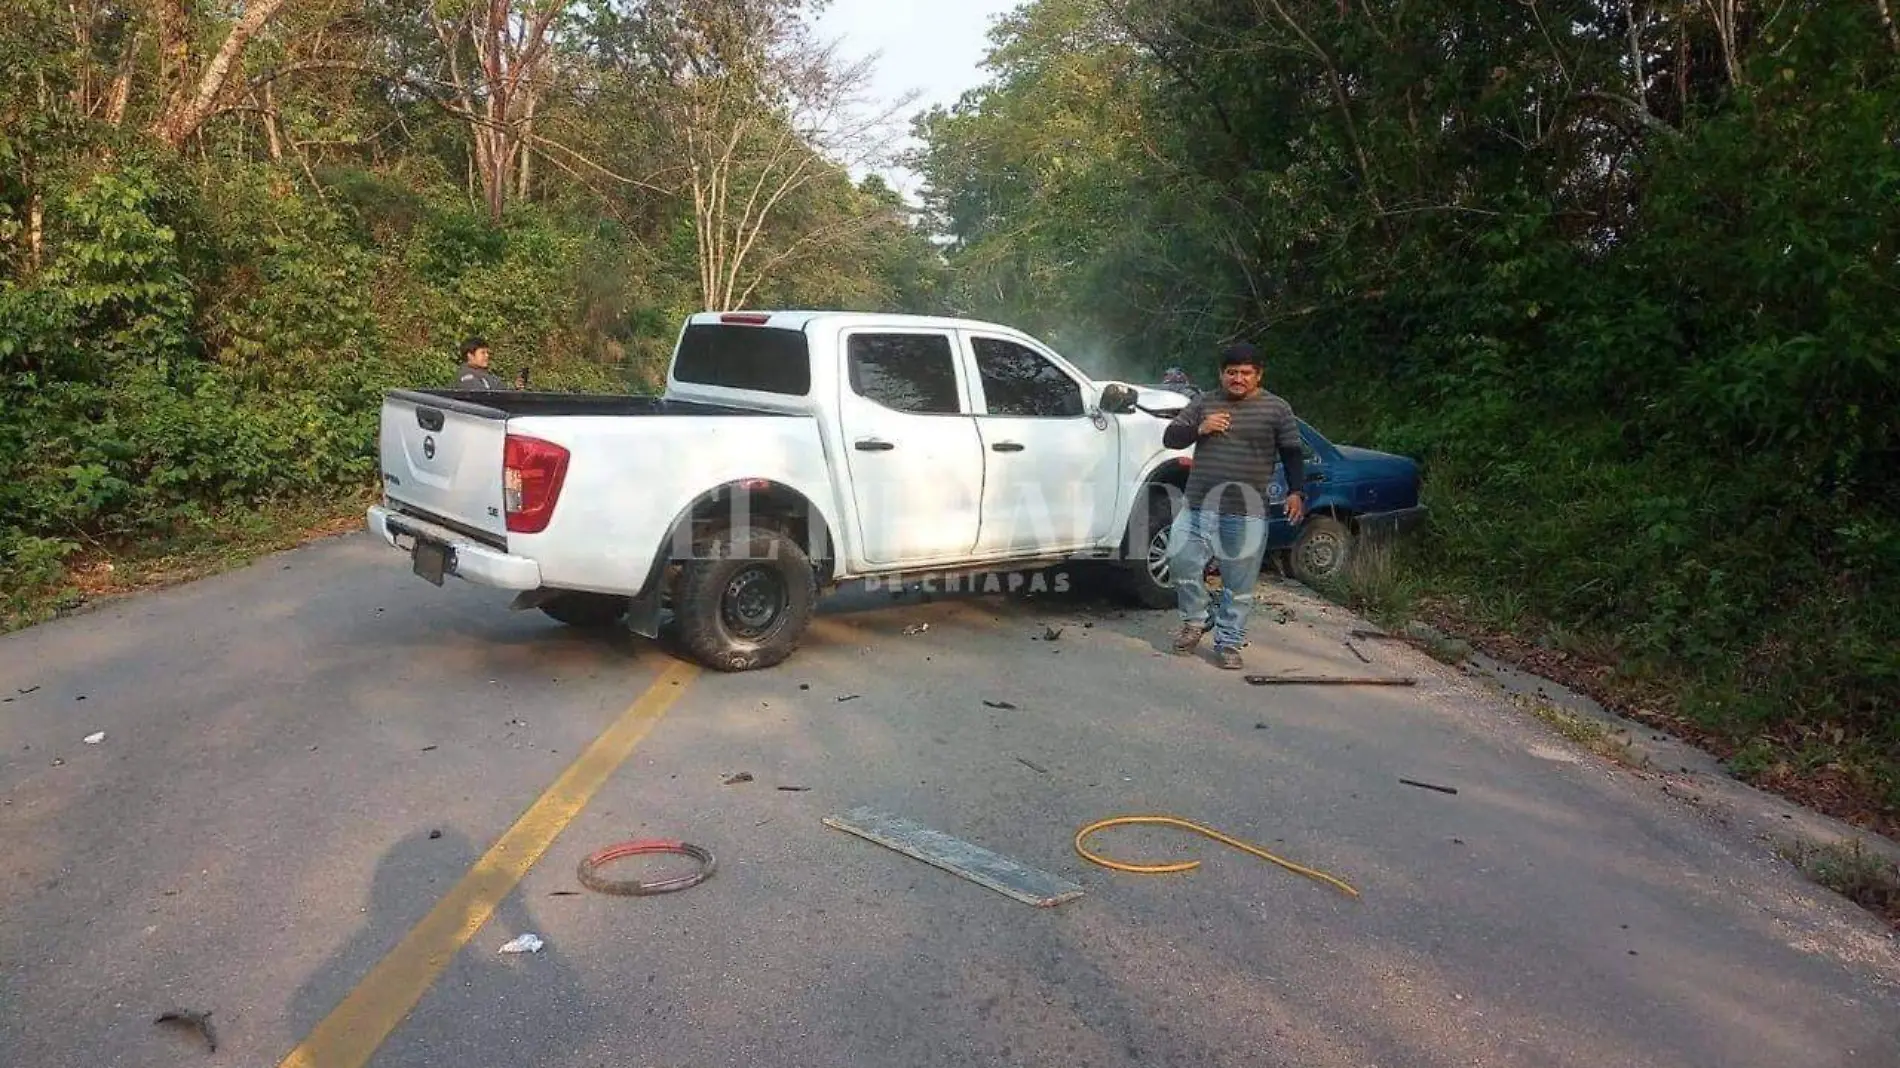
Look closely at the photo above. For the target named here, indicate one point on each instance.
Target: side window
(1019, 381)
(914, 373)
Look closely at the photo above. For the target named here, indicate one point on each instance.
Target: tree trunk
(35, 232)
(121, 93)
(184, 114)
(270, 124)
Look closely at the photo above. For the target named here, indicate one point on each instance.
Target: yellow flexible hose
(1188, 865)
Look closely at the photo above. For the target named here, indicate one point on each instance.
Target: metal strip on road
(356, 1028)
(981, 866)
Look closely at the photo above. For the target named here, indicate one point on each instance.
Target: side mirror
(1118, 399)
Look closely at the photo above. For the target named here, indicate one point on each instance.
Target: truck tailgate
(442, 459)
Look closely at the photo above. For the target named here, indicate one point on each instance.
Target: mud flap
(643, 613)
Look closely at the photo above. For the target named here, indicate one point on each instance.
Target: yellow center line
(351, 1034)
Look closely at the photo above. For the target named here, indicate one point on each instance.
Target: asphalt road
(258, 830)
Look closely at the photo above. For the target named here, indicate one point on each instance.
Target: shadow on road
(483, 1000)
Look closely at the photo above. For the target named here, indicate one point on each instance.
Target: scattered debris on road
(588, 871)
(1032, 765)
(564, 893)
(804, 685)
(428, 748)
(795, 789)
(1379, 634)
(527, 943)
(1260, 726)
(24, 690)
(434, 834)
(1354, 650)
(1005, 705)
(1430, 786)
(199, 1021)
(847, 697)
(1328, 680)
(916, 628)
(95, 738)
(734, 780)
(1051, 634)
(972, 862)
(1189, 865)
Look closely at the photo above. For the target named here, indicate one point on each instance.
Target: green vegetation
(1620, 273)
(209, 272)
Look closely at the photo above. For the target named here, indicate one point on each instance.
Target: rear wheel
(590, 610)
(1145, 579)
(747, 599)
(1323, 551)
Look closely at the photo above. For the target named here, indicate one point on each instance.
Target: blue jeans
(1239, 542)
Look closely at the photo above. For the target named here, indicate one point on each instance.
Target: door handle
(874, 445)
(1007, 446)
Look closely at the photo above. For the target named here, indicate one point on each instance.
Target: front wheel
(1145, 577)
(745, 600)
(1323, 551)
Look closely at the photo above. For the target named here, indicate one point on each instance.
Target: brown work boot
(1229, 659)
(1188, 637)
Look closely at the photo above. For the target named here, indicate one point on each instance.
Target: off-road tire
(725, 583)
(586, 610)
(1138, 583)
(1323, 552)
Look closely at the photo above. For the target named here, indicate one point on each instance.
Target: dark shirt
(1264, 433)
(476, 378)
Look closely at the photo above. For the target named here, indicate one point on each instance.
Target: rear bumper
(1396, 522)
(470, 560)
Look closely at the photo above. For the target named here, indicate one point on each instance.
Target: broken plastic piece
(527, 943)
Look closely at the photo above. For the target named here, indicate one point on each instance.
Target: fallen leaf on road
(999, 704)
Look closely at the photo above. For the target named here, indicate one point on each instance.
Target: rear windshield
(762, 358)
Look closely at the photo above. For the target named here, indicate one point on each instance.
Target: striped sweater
(1264, 432)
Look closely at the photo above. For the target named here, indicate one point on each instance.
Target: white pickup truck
(790, 452)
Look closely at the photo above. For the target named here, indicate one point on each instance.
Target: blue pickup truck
(1351, 494)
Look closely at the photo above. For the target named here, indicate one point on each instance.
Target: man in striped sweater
(1239, 432)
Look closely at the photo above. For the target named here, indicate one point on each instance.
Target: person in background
(1236, 432)
(474, 373)
(1175, 376)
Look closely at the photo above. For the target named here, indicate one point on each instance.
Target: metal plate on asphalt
(973, 862)
(431, 560)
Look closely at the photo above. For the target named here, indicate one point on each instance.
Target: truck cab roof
(800, 318)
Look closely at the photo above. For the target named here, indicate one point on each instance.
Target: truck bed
(504, 404)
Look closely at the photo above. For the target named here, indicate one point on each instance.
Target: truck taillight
(531, 477)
